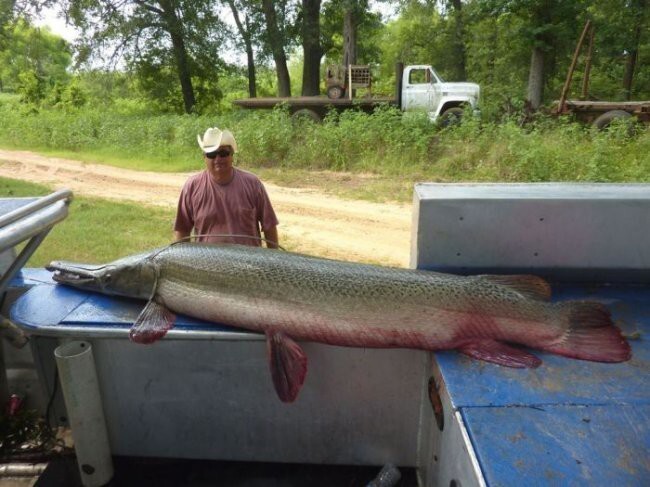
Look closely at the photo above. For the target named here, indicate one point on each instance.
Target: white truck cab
(424, 89)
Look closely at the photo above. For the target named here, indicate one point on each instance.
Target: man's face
(219, 162)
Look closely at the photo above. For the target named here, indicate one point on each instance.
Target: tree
(277, 41)
(33, 59)
(549, 29)
(458, 42)
(350, 32)
(179, 33)
(311, 47)
(247, 31)
(621, 32)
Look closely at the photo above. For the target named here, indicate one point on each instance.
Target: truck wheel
(451, 116)
(306, 114)
(335, 92)
(607, 118)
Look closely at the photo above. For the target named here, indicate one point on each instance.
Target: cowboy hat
(215, 138)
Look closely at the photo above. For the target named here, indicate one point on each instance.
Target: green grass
(396, 150)
(96, 230)
(353, 154)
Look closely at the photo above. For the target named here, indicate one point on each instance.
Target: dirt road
(313, 222)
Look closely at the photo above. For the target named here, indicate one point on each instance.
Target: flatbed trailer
(316, 107)
(601, 113)
(598, 113)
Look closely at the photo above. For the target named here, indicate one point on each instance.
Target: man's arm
(271, 235)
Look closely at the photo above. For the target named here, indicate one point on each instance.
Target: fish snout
(73, 273)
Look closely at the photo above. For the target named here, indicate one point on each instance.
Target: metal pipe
(22, 469)
(19, 213)
(85, 412)
(28, 226)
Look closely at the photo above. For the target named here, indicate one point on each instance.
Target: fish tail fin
(591, 334)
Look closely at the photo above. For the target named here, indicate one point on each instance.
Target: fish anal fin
(529, 286)
(288, 364)
(500, 354)
(152, 323)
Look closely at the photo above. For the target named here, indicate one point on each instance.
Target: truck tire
(335, 92)
(451, 116)
(607, 118)
(306, 114)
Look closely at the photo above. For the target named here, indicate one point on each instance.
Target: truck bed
(312, 101)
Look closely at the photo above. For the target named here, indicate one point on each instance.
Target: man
(224, 200)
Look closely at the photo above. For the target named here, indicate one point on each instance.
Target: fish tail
(591, 334)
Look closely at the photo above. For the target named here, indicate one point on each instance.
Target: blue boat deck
(569, 422)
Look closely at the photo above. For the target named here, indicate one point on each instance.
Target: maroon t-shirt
(236, 208)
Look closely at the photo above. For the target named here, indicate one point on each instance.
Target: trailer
(600, 114)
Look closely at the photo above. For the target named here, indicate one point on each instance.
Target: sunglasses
(220, 153)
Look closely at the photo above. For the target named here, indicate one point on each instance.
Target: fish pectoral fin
(500, 353)
(152, 323)
(288, 364)
(529, 286)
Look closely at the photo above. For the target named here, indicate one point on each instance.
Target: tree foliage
(32, 60)
(179, 53)
(181, 38)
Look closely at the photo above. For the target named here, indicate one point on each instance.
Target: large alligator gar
(291, 297)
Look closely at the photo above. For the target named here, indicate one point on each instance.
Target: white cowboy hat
(215, 138)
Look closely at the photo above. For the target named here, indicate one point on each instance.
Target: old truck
(417, 87)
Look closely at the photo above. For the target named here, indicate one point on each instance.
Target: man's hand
(271, 236)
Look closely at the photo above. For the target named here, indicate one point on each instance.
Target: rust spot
(436, 403)
(517, 437)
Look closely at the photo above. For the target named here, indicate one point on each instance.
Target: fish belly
(335, 323)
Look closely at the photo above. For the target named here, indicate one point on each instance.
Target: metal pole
(19, 213)
(567, 83)
(590, 50)
(33, 224)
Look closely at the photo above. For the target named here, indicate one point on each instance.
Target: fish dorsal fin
(152, 323)
(288, 364)
(525, 284)
(499, 353)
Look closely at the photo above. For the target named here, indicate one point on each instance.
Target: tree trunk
(349, 37)
(491, 56)
(460, 53)
(536, 79)
(277, 48)
(630, 63)
(244, 32)
(175, 29)
(311, 47)
(628, 77)
(250, 61)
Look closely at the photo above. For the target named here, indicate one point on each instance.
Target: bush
(386, 142)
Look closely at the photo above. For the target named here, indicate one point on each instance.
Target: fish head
(133, 276)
